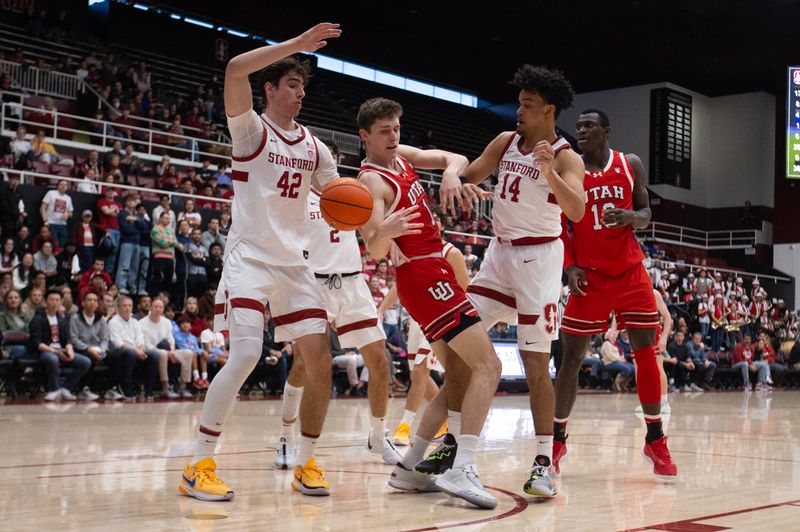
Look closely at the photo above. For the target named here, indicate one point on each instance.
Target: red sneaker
(657, 454)
(560, 452)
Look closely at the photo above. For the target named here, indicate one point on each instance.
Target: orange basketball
(346, 204)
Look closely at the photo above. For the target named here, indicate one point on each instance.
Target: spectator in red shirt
(43, 236)
(109, 209)
(207, 191)
(97, 270)
(743, 359)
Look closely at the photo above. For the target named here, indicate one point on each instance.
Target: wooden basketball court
(116, 467)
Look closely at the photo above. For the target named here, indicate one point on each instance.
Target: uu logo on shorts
(442, 291)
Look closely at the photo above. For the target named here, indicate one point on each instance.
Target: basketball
(346, 204)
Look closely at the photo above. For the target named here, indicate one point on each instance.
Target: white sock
(204, 446)
(415, 453)
(195, 374)
(205, 375)
(377, 429)
(544, 446)
(454, 423)
(408, 417)
(306, 449)
(291, 407)
(467, 445)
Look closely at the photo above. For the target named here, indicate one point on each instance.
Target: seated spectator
(192, 310)
(68, 307)
(94, 164)
(21, 149)
(127, 343)
(50, 339)
(500, 331)
(89, 334)
(13, 320)
(56, 210)
(766, 353)
(143, 306)
(24, 241)
(743, 359)
(69, 267)
(594, 364)
(46, 152)
(44, 261)
(130, 163)
(98, 271)
(9, 258)
(89, 183)
(349, 360)
(685, 370)
(33, 303)
(21, 276)
(224, 222)
(212, 235)
(184, 339)
(108, 307)
(206, 303)
(157, 334)
(705, 367)
(613, 360)
(116, 149)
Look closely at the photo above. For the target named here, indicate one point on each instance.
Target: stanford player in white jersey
(335, 259)
(429, 291)
(274, 162)
(520, 278)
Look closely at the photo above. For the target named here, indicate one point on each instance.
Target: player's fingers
(412, 216)
(415, 226)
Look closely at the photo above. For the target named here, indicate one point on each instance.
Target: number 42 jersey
(271, 187)
(595, 246)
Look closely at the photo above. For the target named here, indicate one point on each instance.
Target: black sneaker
(441, 459)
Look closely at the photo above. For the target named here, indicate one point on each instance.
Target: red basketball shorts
(629, 295)
(429, 291)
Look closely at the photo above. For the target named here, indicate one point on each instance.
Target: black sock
(560, 431)
(654, 431)
(542, 460)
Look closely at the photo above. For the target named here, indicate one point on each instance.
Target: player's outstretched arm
(485, 164)
(237, 93)
(380, 229)
(667, 317)
(389, 299)
(453, 165)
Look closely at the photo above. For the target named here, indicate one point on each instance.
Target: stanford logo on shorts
(442, 291)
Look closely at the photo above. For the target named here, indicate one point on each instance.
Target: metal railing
(43, 81)
(104, 133)
(696, 238)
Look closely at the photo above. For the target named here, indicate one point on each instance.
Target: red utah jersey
(609, 250)
(409, 192)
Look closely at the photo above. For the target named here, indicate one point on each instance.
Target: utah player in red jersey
(603, 262)
(429, 291)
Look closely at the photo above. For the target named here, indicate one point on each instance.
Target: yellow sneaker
(402, 435)
(202, 482)
(310, 479)
(441, 432)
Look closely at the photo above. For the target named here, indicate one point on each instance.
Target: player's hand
(618, 217)
(577, 280)
(400, 223)
(172, 357)
(315, 38)
(471, 195)
(544, 155)
(449, 193)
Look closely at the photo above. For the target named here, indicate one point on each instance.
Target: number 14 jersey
(610, 250)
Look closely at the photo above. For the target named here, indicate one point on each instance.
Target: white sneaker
(67, 395)
(769, 380)
(169, 394)
(686, 388)
(463, 482)
(285, 455)
(87, 395)
(695, 388)
(409, 480)
(55, 395)
(541, 481)
(112, 395)
(186, 394)
(385, 448)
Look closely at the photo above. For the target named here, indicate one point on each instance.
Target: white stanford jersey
(329, 250)
(271, 187)
(523, 203)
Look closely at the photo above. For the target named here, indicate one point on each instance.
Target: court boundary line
(692, 524)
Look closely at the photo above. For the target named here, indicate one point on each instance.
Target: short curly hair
(548, 83)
